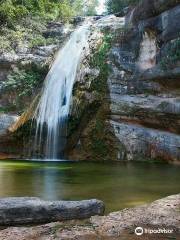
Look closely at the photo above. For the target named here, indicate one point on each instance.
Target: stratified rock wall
(144, 88)
(90, 135)
(150, 8)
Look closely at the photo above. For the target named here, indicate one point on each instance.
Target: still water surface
(119, 185)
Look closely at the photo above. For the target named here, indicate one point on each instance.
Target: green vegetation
(20, 37)
(102, 143)
(23, 28)
(117, 6)
(99, 60)
(12, 11)
(23, 82)
(91, 117)
(23, 22)
(99, 144)
(90, 7)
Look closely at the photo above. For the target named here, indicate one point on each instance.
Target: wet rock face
(27, 61)
(8, 145)
(34, 210)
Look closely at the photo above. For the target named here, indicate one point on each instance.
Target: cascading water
(54, 105)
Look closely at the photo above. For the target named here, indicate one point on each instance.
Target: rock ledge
(25, 210)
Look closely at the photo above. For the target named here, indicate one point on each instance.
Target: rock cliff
(126, 102)
(138, 116)
(144, 83)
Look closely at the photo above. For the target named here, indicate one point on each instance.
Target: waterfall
(53, 109)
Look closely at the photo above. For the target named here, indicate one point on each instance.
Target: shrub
(37, 41)
(9, 12)
(5, 44)
(115, 6)
(99, 60)
(24, 81)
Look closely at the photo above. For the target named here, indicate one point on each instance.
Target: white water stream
(54, 105)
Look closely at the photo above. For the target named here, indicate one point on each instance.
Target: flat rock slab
(25, 210)
(163, 213)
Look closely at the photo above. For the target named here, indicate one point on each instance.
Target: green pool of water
(119, 185)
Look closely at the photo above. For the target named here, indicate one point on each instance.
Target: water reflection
(118, 185)
(46, 184)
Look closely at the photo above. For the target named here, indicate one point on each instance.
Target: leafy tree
(9, 12)
(78, 7)
(65, 10)
(115, 6)
(13, 10)
(90, 7)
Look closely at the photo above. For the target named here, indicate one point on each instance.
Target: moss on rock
(90, 135)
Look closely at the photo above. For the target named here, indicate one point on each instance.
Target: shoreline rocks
(163, 214)
(31, 210)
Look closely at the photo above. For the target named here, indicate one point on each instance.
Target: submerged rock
(26, 210)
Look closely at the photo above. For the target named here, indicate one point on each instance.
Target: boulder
(46, 51)
(141, 143)
(110, 22)
(57, 29)
(26, 210)
(78, 20)
(6, 120)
